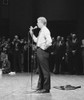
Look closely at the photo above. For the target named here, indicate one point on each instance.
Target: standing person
(73, 54)
(43, 42)
(59, 54)
(16, 54)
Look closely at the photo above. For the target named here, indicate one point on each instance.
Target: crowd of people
(66, 55)
(13, 55)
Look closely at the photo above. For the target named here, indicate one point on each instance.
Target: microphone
(35, 27)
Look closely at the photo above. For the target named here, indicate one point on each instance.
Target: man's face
(39, 24)
(16, 37)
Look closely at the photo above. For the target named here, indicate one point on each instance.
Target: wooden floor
(18, 87)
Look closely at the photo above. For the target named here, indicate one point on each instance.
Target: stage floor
(18, 87)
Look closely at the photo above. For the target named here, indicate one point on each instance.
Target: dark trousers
(44, 73)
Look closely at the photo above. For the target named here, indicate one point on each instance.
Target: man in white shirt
(43, 42)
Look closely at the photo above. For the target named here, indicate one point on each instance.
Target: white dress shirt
(44, 38)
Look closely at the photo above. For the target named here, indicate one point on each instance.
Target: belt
(38, 47)
(42, 49)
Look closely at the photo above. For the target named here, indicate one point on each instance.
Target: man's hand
(31, 30)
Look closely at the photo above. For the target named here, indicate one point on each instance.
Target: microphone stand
(28, 52)
(32, 62)
(29, 60)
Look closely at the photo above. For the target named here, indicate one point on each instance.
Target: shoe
(43, 91)
(12, 73)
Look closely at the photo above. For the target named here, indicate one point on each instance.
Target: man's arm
(32, 35)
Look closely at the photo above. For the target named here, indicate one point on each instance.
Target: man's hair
(43, 20)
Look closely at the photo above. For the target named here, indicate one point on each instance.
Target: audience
(67, 54)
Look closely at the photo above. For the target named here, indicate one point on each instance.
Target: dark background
(64, 16)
